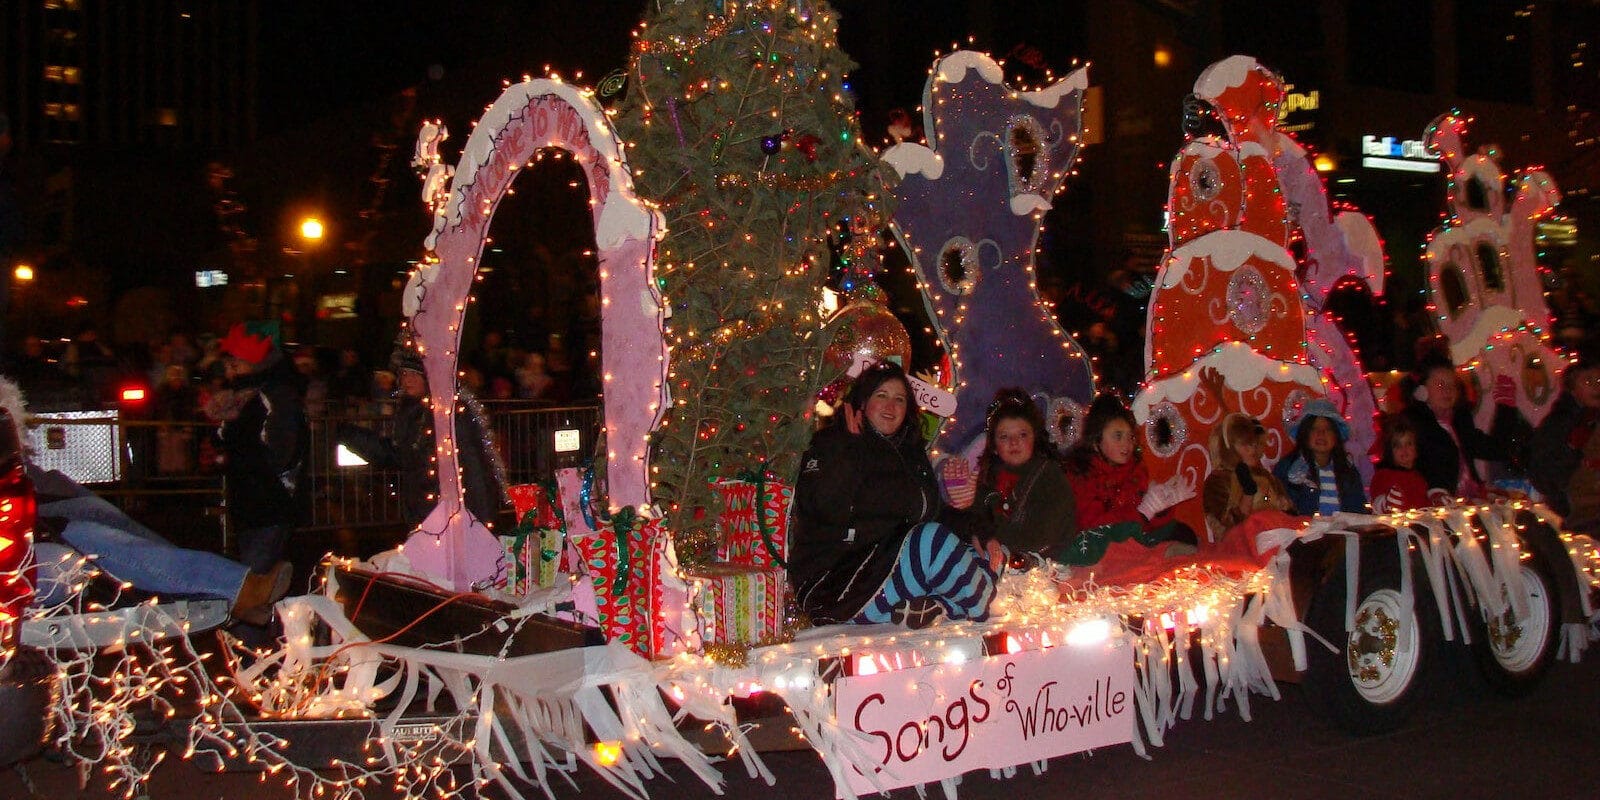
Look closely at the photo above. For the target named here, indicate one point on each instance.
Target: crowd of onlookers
(181, 372)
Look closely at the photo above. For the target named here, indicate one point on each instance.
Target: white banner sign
(930, 398)
(935, 722)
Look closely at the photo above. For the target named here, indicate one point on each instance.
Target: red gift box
(630, 582)
(754, 531)
(536, 498)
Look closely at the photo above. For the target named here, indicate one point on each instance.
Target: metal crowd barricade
(169, 474)
(166, 474)
(348, 494)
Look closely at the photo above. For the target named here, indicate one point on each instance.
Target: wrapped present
(537, 499)
(621, 560)
(737, 604)
(754, 520)
(535, 557)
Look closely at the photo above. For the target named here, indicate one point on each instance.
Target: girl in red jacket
(1112, 486)
(1396, 484)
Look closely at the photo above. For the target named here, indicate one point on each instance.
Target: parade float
(642, 602)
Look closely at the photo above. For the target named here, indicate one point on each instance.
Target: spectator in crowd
(409, 449)
(384, 386)
(1560, 441)
(868, 545)
(491, 357)
(534, 381)
(351, 383)
(92, 361)
(265, 438)
(311, 377)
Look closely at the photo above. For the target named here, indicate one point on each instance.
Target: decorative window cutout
(1027, 155)
(1477, 194)
(1205, 181)
(1453, 285)
(1066, 422)
(1489, 262)
(1165, 431)
(1249, 300)
(958, 266)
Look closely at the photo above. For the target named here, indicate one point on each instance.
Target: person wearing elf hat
(409, 449)
(1318, 473)
(265, 438)
(73, 522)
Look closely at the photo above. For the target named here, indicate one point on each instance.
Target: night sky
(317, 58)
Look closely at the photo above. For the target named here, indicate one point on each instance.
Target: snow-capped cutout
(1242, 369)
(528, 117)
(1051, 96)
(1229, 73)
(909, 158)
(1224, 251)
(1487, 323)
(1024, 204)
(953, 68)
(997, 159)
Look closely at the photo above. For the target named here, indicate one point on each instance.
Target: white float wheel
(1382, 651)
(1385, 662)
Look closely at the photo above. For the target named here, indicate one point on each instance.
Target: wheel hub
(1383, 649)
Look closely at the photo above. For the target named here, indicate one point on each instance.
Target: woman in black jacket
(867, 546)
(1448, 442)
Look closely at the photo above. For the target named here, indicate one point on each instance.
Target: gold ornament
(866, 329)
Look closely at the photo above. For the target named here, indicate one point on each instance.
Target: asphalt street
(1545, 745)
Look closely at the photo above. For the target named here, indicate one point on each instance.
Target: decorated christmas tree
(742, 132)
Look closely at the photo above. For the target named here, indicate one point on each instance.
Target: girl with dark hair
(1318, 473)
(1118, 508)
(868, 545)
(1027, 508)
(1396, 484)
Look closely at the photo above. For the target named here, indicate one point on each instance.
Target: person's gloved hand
(1162, 496)
(960, 486)
(1387, 502)
(1505, 391)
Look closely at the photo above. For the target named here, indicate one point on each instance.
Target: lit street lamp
(23, 273)
(311, 229)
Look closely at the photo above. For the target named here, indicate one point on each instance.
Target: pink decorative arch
(451, 544)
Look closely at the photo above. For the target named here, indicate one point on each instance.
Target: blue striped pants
(935, 562)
